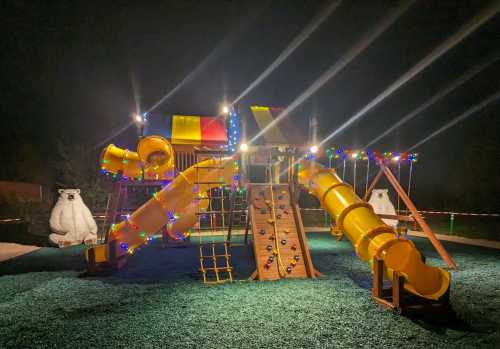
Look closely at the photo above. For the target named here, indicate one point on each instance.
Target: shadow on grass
(153, 263)
(440, 321)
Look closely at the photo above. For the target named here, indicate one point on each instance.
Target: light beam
(438, 96)
(464, 31)
(360, 46)
(459, 118)
(296, 42)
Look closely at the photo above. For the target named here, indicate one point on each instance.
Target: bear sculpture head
(69, 195)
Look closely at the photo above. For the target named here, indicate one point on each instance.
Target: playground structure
(279, 242)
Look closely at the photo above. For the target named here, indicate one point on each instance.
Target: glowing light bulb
(225, 109)
(313, 149)
(138, 118)
(354, 155)
(244, 147)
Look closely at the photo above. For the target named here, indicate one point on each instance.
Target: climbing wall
(280, 246)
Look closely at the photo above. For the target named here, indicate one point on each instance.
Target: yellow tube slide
(176, 204)
(114, 160)
(154, 158)
(370, 236)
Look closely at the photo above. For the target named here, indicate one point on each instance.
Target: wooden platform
(279, 241)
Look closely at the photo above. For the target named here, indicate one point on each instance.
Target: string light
(233, 125)
(387, 156)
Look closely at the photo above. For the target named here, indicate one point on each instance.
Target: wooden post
(421, 222)
(397, 289)
(372, 185)
(378, 277)
(113, 208)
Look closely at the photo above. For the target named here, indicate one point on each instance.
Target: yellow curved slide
(369, 235)
(176, 204)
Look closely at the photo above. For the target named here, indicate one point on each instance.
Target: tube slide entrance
(370, 236)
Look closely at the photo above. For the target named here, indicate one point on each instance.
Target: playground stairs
(215, 259)
(279, 241)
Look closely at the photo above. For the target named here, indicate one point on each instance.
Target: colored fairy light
(171, 215)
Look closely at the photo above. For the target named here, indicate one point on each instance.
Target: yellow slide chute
(370, 236)
(154, 158)
(176, 204)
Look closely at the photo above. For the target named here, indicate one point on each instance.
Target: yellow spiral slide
(176, 204)
(370, 236)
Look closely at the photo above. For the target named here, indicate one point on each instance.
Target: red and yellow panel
(190, 129)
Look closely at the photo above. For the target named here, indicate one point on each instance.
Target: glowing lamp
(313, 149)
(396, 158)
(225, 110)
(138, 118)
(243, 147)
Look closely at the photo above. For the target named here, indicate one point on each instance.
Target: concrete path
(10, 250)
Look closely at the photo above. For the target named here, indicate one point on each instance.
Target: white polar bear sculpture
(71, 221)
(382, 205)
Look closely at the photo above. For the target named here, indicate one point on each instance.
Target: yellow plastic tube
(157, 156)
(176, 203)
(114, 159)
(370, 236)
(154, 157)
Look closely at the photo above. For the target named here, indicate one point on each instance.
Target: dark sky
(69, 69)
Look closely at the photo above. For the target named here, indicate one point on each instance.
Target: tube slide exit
(370, 236)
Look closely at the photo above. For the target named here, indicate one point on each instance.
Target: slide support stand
(398, 299)
(418, 218)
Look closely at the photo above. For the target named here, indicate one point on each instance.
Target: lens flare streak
(459, 118)
(340, 64)
(438, 96)
(464, 31)
(296, 42)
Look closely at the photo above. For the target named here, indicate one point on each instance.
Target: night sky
(75, 71)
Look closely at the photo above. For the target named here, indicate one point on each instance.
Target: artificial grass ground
(158, 302)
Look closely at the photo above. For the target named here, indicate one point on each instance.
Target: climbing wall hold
(289, 269)
(272, 237)
(294, 247)
(296, 257)
(278, 216)
(263, 210)
(282, 207)
(270, 221)
(283, 242)
(287, 231)
(262, 231)
(269, 247)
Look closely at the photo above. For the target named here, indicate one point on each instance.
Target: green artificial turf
(159, 302)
